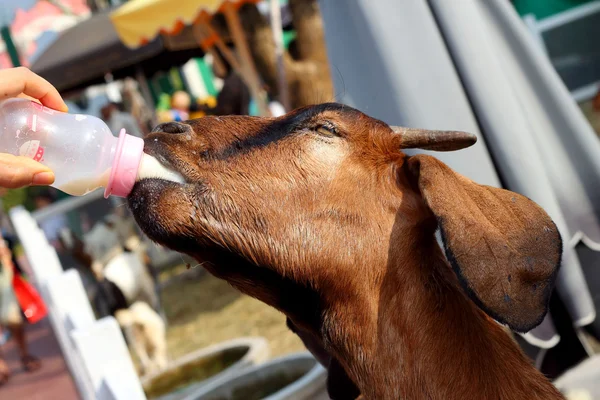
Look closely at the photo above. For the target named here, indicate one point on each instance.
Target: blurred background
(524, 75)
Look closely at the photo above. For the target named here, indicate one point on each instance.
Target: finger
(17, 172)
(15, 81)
(39, 88)
(24, 96)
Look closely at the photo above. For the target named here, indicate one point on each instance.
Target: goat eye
(327, 129)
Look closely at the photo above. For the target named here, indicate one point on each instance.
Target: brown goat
(321, 215)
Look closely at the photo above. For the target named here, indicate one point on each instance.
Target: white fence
(94, 350)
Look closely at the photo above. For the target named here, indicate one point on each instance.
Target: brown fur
(320, 215)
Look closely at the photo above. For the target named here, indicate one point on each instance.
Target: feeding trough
(295, 377)
(192, 371)
(581, 382)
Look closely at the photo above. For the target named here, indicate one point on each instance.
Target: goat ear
(503, 247)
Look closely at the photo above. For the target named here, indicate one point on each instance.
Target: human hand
(16, 172)
(16, 82)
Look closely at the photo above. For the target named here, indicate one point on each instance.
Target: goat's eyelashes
(326, 129)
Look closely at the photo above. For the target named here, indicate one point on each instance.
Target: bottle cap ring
(125, 165)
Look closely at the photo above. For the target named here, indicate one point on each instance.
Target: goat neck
(421, 337)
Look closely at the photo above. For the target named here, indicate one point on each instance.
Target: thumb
(16, 172)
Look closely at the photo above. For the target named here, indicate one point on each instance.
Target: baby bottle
(80, 149)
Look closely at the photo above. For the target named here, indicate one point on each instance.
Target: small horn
(433, 140)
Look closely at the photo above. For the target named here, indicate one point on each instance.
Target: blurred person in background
(116, 119)
(11, 317)
(137, 106)
(17, 172)
(180, 106)
(234, 98)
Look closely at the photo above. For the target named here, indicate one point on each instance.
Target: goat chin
(150, 167)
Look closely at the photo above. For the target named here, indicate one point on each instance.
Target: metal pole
(11, 49)
(140, 76)
(250, 72)
(277, 28)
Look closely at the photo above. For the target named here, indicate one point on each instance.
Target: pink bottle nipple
(125, 165)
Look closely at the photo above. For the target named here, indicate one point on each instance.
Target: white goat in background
(134, 300)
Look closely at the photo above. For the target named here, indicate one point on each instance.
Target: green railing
(546, 8)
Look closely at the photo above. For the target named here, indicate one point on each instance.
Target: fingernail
(43, 178)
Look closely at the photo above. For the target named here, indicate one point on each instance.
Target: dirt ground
(203, 311)
(206, 310)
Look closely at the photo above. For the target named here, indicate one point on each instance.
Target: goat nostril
(172, 127)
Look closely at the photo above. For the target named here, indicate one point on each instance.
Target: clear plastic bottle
(80, 149)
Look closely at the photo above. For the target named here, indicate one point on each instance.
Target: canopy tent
(140, 21)
(498, 84)
(84, 54)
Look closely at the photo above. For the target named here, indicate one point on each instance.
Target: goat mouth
(158, 163)
(157, 167)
